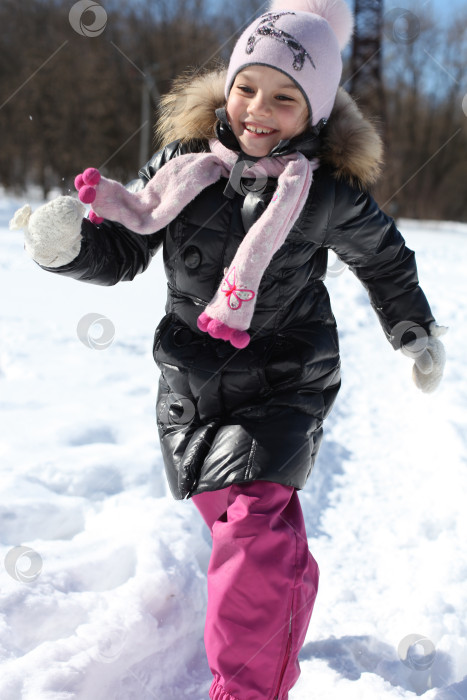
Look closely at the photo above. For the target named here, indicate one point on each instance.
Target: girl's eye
(285, 98)
(245, 88)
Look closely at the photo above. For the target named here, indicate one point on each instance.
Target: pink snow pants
(262, 585)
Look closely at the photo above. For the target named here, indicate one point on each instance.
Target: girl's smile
(265, 107)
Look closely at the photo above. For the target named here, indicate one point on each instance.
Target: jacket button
(192, 257)
(181, 336)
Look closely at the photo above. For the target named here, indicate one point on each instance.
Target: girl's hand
(52, 234)
(86, 184)
(429, 362)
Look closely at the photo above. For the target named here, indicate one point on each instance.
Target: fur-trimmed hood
(350, 143)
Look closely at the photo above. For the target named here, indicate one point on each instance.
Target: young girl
(265, 167)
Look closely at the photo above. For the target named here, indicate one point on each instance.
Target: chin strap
(224, 131)
(316, 130)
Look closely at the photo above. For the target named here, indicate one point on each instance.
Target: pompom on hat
(303, 39)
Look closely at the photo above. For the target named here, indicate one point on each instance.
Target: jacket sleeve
(111, 253)
(368, 241)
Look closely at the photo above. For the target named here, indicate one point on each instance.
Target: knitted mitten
(429, 362)
(52, 234)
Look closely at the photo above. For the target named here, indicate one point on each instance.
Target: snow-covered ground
(103, 574)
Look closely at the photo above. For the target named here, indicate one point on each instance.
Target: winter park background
(106, 600)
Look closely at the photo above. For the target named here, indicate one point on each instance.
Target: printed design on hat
(267, 28)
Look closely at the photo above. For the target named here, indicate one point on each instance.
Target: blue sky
(441, 8)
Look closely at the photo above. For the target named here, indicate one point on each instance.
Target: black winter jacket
(228, 415)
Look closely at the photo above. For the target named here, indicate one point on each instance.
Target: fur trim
(351, 144)
(187, 112)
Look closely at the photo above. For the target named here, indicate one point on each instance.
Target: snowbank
(103, 575)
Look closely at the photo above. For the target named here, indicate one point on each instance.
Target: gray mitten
(429, 361)
(52, 234)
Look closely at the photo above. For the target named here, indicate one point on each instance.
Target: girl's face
(264, 107)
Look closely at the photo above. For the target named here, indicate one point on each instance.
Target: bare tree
(426, 125)
(366, 79)
(68, 101)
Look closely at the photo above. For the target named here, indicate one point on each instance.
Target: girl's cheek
(230, 108)
(302, 123)
(229, 118)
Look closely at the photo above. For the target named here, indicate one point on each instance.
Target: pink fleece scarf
(176, 184)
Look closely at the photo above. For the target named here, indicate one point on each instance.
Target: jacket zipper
(286, 658)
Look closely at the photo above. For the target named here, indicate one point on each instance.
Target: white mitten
(429, 361)
(52, 234)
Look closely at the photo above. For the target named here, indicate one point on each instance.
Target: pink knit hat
(304, 40)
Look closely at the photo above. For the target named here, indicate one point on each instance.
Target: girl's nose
(259, 105)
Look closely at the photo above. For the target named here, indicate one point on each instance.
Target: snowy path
(115, 606)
